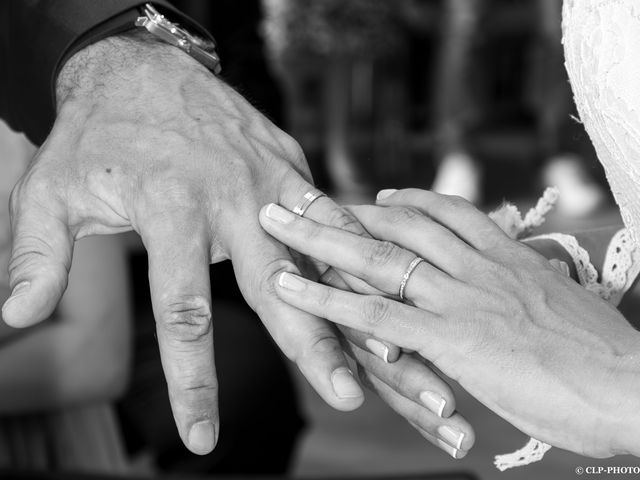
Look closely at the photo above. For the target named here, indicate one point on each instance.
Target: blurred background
(467, 97)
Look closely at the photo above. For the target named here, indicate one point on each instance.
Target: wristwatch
(203, 50)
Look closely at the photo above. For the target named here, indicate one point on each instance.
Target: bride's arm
(541, 351)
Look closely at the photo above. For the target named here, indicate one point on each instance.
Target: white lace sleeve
(621, 266)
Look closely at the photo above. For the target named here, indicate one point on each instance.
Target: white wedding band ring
(309, 197)
(407, 274)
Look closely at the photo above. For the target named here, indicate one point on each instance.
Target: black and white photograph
(319, 239)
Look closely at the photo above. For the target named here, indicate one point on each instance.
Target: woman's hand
(416, 393)
(545, 354)
(410, 387)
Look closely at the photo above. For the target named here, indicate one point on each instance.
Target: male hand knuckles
(321, 342)
(29, 253)
(187, 319)
(341, 219)
(455, 202)
(402, 215)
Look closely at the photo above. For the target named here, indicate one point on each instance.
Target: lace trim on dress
(532, 452)
(621, 266)
(510, 220)
(587, 273)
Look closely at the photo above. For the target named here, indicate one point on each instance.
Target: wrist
(119, 63)
(134, 79)
(551, 249)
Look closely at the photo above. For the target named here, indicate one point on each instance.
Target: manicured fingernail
(344, 384)
(433, 402)
(379, 349)
(382, 194)
(20, 289)
(291, 282)
(455, 453)
(451, 435)
(279, 214)
(202, 437)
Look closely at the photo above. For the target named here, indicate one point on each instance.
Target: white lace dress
(602, 49)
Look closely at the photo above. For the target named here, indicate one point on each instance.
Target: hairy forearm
(135, 77)
(112, 60)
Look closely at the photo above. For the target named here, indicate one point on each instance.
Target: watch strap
(202, 49)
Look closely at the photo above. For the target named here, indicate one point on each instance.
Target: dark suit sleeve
(37, 36)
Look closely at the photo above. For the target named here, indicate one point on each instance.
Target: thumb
(42, 247)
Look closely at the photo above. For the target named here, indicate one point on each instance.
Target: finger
(376, 316)
(305, 338)
(411, 229)
(381, 264)
(412, 379)
(439, 442)
(42, 248)
(386, 351)
(383, 350)
(455, 213)
(181, 298)
(326, 212)
(454, 435)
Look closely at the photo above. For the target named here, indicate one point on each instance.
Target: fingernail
(455, 453)
(202, 437)
(279, 214)
(382, 194)
(433, 402)
(20, 289)
(379, 349)
(451, 435)
(291, 282)
(344, 384)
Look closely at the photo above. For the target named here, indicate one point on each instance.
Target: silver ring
(407, 274)
(309, 197)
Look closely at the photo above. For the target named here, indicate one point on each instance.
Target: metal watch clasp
(201, 49)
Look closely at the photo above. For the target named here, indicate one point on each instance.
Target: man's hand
(147, 139)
